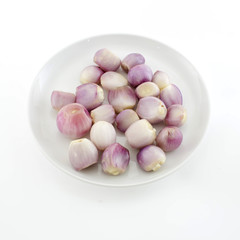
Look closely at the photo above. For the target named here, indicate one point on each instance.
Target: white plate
(62, 73)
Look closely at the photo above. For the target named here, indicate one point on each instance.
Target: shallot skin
(74, 121)
(115, 159)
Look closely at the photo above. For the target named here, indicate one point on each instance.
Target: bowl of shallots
(118, 110)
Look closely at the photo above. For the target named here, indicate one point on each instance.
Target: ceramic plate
(62, 73)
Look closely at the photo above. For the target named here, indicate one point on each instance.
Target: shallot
(107, 60)
(60, 99)
(132, 60)
(102, 134)
(176, 115)
(161, 79)
(140, 134)
(91, 74)
(103, 113)
(151, 109)
(171, 95)
(147, 89)
(82, 153)
(90, 95)
(150, 158)
(115, 159)
(113, 80)
(139, 74)
(125, 118)
(74, 121)
(169, 138)
(122, 98)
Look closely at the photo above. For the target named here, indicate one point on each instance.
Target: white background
(200, 201)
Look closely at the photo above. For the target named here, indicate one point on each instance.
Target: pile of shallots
(135, 103)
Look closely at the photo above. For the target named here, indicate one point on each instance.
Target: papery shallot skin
(82, 153)
(131, 60)
(169, 138)
(151, 109)
(140, 134)
(176, 115)
(59, 99)
(171, 95)
(115, 159)
(150, 158)
(125, 118)
(122, 98)
(91, 74)
(74, 121)
(90, 95)
(107, 60)
(139, 74)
